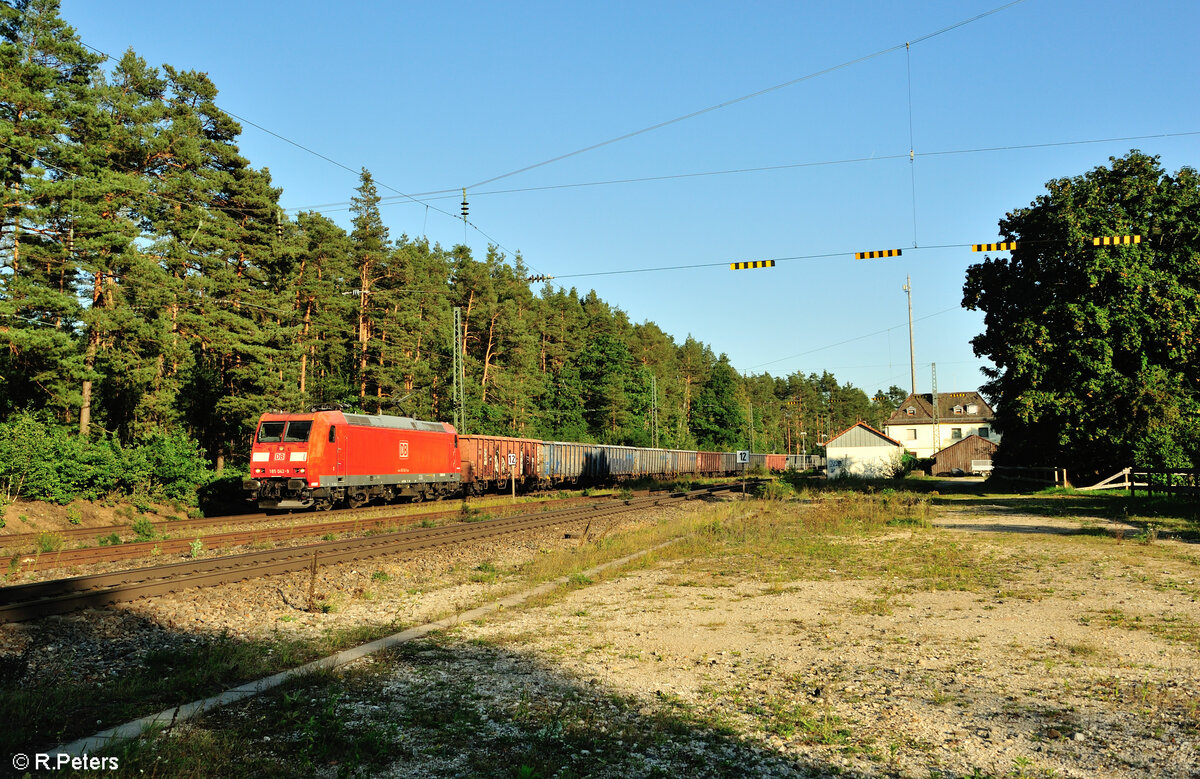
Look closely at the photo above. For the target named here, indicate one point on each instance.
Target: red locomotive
(319, 459)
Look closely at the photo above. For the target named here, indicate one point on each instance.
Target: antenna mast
(912, 356)
(937, 421)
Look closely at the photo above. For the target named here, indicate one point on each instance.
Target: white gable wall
(922, 445)
(868, 462)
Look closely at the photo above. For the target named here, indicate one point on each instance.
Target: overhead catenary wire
(912, 148)
(852, 340)
(793, 258)
(444, 194)
(750, 96)
(341, 165)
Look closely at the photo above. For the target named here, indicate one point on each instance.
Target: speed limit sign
(743, 457)
(512, 459)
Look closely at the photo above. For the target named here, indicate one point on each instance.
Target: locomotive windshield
(297, 431)
(270, 432)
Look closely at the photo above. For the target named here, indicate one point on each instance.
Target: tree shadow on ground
(441, 708)
(426, 708)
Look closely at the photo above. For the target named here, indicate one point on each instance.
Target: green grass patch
(49, 542)
(51, 709)
(1172, 627)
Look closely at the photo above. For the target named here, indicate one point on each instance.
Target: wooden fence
(1056, 477)
(1172, 482)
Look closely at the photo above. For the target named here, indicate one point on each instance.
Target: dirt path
(1084, 661)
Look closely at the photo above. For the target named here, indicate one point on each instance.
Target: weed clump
(49, 542)
(143, 529)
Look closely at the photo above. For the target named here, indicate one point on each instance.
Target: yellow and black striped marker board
(994, 247)
(1116, 240)
(755, 264)
(875, 255)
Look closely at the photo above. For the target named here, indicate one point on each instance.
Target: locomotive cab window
(332, 433)
(297, 432)
(270, 432)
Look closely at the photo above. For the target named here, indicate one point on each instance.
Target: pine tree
(371, 246)
(45, 77)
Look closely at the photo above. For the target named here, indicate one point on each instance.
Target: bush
(43, 460)
(49, 542)
(773, 490)
(143, 529)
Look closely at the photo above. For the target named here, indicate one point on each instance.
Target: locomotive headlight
(260, 470)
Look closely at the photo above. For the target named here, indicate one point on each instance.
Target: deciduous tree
(1096, 358)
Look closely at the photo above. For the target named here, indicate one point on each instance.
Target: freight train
(327, 458)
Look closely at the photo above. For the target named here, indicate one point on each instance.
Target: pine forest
(155, 296)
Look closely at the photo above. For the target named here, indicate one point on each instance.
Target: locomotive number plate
(404, 450)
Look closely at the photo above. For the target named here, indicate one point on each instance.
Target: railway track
(360, 521)
(39, 599)
(20, 543)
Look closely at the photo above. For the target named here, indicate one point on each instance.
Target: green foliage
(49, 542)
(1097, 358)
(146, 332)
(773, 490)
(40, 460)
(143, 529)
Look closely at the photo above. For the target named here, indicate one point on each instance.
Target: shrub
(49, 542)
(143, 529)
(43, 460)
(773, 490)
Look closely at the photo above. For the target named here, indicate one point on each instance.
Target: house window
(984, 432)
(912, 434)
(910, 411)
(956, 434)
(958, 409)
(972, 408)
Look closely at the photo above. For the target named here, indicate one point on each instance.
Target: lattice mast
(937, 419)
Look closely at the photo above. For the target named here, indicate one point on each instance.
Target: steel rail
(64, 558)
(38, 599)
(29, 541)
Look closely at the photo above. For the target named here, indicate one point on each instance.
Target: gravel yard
(989, 643)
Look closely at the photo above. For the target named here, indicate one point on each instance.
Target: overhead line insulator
(464, 203)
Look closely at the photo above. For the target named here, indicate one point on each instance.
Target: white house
(862, 451)
(960, 414)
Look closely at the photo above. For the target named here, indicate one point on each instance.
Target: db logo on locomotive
(404, 450)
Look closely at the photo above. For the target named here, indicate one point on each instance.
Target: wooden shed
(970, 455)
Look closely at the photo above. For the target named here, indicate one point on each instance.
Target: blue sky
(436, 96)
